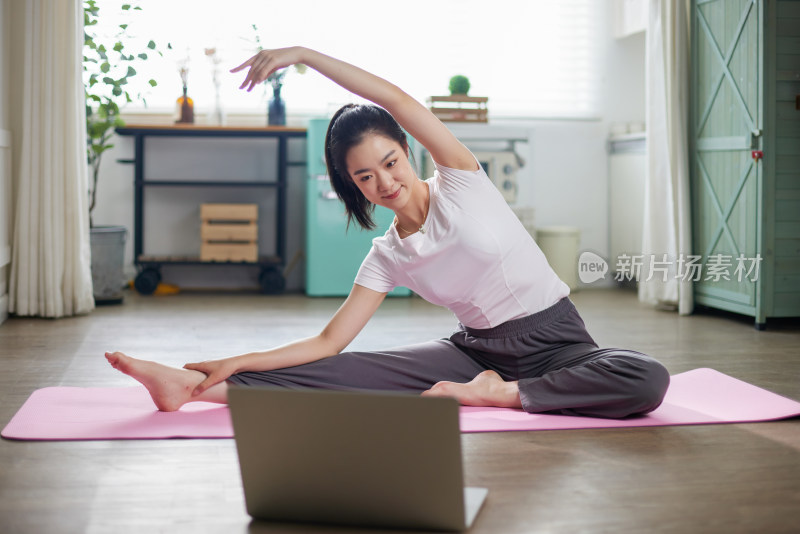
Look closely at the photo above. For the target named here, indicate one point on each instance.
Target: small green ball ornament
(459, 85)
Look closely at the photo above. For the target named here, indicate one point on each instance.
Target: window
(532, 58)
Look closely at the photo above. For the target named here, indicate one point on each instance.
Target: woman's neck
(411, 218)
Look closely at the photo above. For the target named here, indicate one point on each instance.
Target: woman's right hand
(215, 370)
(265, 62)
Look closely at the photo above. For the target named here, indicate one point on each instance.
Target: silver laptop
(372, 459)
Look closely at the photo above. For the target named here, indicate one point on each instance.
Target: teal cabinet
(333, 252)
(745, 155)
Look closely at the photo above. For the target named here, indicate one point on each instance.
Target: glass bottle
(185, 108)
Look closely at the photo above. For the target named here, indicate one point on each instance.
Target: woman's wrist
(303, 54)
(248, 362)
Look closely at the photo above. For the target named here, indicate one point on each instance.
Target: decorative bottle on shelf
(276, 112)
(185, 108)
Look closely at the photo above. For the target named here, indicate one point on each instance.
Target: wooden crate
(228, 212)
(229, 252)
(247, 232)
(229, 232)
(460, 108)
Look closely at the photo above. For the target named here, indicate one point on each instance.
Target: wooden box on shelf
(460, 108)
(229, 232)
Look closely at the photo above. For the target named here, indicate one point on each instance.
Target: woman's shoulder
(460, 179)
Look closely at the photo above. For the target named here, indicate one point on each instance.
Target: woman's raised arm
(417, 120)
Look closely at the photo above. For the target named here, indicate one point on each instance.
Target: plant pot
(108, 261)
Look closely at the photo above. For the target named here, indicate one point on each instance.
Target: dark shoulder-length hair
(348, 127)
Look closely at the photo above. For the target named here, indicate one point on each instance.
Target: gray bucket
(108, 261)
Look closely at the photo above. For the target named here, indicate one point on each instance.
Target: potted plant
(459, 85)
(108, 64)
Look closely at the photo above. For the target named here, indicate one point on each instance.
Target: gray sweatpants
(558, 365)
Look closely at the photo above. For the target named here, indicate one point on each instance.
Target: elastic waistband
(525, 324)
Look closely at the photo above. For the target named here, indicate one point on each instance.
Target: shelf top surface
(179, 129)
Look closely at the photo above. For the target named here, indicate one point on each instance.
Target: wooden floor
(715, 478)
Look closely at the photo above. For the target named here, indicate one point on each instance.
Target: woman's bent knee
(651, 387)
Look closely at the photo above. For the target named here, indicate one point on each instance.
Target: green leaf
(105, 67)
(131, 72)
(108, 80)
(98, 149)
(123, 26)
(118, 47)
(97, 129)
(152, 83)
(116, 91)
(101, 48)
(126, 7)
(151, 45)
(142, 56)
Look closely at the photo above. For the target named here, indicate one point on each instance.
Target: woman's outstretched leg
(169, 387)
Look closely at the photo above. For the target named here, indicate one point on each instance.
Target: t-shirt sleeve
(459, 180)
(374, 273)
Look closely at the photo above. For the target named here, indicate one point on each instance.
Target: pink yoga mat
(701, 396)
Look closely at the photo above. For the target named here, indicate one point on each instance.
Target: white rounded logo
(591, 267)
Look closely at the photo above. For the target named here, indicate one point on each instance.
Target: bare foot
(170, 388)
(486, 389)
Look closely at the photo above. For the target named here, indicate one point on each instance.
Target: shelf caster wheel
(147, 281)
(271, 281)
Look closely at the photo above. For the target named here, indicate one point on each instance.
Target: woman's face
(380, 168)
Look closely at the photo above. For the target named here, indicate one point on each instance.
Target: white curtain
(50, 258)
(666, 234)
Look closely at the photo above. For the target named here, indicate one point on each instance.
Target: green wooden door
(725, 128)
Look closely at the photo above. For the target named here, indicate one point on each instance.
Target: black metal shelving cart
(271, 279)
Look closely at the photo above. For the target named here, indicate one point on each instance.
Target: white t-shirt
(475, 257)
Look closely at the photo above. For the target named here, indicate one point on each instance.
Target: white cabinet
(627, 161)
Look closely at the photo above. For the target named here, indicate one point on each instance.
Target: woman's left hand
(266, 62)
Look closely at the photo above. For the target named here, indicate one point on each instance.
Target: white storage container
(560, 246)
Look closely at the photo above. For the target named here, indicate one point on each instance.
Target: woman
(455, 242)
